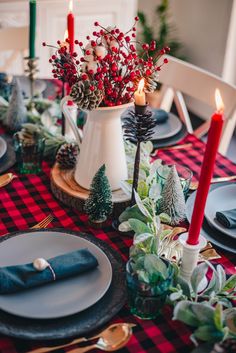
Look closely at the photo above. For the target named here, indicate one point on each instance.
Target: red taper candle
(71, 27)
(206, 171)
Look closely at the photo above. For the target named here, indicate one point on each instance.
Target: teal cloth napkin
(227, 218)
(21, 277)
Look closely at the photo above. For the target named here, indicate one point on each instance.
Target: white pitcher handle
(77, 132)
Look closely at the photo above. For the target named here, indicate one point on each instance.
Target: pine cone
(84, 97)
(67, 155)
(151, 82)
(227, 346)
(139, 127)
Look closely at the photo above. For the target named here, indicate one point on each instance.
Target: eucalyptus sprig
(206, 304)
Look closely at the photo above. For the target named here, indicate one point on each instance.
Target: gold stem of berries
(110, 62)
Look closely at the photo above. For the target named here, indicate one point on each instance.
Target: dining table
(28, 199)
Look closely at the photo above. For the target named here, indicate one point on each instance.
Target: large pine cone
(151, 82)
(84, 97)
(227, 346)
(67, 155)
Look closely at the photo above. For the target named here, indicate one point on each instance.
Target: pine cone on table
(67, 155)
(84, 97)
(227, 346)
(151, 82)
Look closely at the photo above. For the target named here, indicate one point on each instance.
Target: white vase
(102, 143)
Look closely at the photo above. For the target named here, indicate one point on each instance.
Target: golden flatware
(44, 223)
(112, 338)
(194, 184)
(6, 179)
(177, 147)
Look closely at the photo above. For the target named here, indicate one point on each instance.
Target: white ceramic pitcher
(101, 142)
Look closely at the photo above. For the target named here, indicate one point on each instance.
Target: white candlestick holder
(190, 255)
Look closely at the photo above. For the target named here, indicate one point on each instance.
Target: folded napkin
(17, 278)
(227, 218)
(160, 115)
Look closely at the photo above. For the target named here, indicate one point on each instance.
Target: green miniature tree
(98, 206)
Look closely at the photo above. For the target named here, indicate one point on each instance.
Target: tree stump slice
(66, 189)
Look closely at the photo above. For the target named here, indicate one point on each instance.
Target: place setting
(219, 219)
(108, 241)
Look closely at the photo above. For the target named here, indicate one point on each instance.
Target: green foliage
(99, 205)
(201, 304)
(164, 36)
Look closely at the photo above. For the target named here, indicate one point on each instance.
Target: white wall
(202, 27)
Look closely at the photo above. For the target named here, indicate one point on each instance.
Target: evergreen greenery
(164, 36)
(98, 206)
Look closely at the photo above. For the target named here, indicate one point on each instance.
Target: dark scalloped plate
(79, 324)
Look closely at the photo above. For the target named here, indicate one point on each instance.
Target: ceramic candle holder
(190, 255)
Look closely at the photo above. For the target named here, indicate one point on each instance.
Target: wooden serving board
(65, 188)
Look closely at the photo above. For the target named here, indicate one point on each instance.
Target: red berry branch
(109, 63)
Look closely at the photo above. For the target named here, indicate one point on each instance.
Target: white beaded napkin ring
(41, 264)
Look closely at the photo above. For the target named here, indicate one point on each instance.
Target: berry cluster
(112, 61)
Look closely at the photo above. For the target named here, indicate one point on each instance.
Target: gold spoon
(194, 184)
(112, 338)
(6, 179)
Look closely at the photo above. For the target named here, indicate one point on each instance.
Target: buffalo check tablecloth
(28, 199)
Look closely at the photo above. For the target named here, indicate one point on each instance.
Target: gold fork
(42, 224)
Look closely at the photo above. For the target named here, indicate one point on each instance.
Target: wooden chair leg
(182, 111)
(227, 134)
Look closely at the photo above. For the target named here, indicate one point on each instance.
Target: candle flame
(66, 35)
(219, 102)
(71, 6)
(141, 85)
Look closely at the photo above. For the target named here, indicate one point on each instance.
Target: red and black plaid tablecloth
(28, 199)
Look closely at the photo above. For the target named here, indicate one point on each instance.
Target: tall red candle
(206, 171)
(71, 27)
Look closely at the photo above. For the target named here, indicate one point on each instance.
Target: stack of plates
(7, 154)
(65, 308)
(168, 133)
(221, 197)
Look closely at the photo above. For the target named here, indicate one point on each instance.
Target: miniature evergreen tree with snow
(17, 113)
(173, 202)
(98, 206)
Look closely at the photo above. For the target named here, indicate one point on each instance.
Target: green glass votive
(29, 153)
(184, 173)
(146, 300)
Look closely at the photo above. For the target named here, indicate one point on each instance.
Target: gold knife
(6, 179)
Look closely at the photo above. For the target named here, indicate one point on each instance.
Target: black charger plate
(79, 324)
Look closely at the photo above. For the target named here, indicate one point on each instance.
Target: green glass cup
(146, 300)
(29, 153)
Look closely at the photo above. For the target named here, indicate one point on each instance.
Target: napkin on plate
(160, 115)
(20, 277)
(227, 218)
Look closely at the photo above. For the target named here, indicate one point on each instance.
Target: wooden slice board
(65, 188)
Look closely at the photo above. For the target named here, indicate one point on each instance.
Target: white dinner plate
(60, 298)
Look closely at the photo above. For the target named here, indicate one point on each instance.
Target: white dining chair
(180, 78)
(15, 40)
